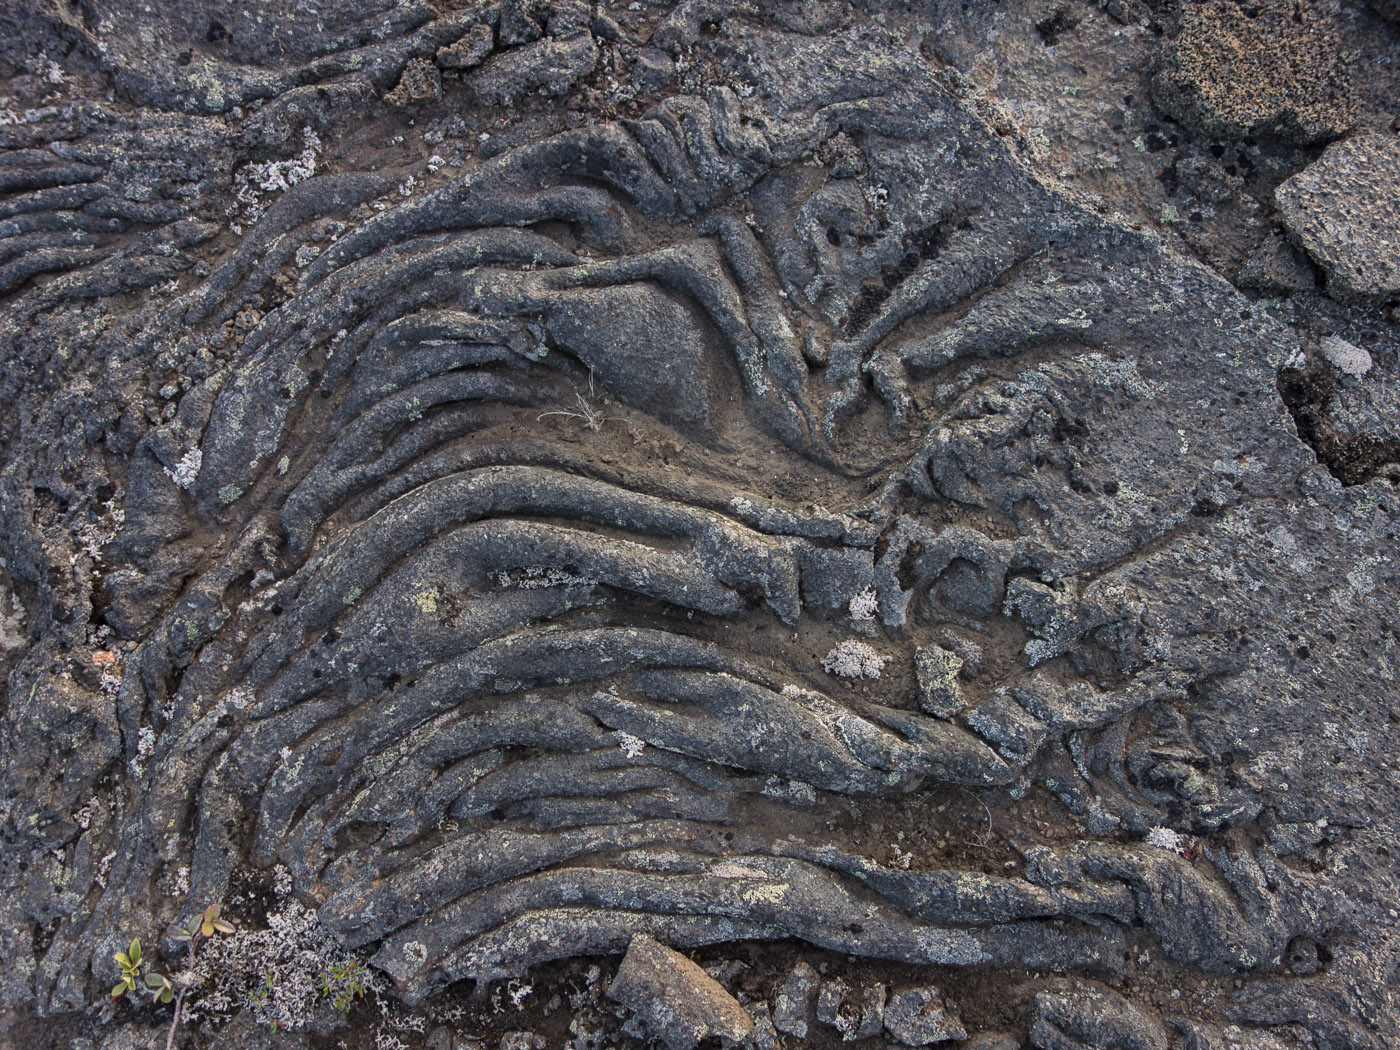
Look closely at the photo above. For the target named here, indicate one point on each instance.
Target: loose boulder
(676, 1001)
(1344, 211)
(918, 1017)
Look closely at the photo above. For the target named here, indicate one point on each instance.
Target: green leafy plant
(260, 1001)
(130, 962)
(162, 989)
(343, 984)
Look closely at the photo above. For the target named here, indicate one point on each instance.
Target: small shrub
(343, 983)
(163, 990)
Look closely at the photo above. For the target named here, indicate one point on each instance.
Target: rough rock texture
(432, 488)
(1272, 67)
(1095, 1019)
(918, 1016)
(674, 999)
(795, 1000)
(1344, 210)
(1386, 8)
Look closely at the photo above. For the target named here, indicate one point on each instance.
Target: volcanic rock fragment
(1344, 210)
(1275, 69)
(855, 1014)
(550, 65)
(919, 1016)
(420, 82)
(471, 50)
(792, 1007)
(1097, 1019)
(677, 1002)
(939, 691)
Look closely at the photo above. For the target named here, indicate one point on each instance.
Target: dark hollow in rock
(1351, 458)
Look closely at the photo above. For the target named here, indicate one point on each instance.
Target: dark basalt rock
(434, 500)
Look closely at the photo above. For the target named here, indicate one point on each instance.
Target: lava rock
(677, 1002)
(856, 1015)
(918, 1016)
(763, 1035)
(550, 65)
(939, 691)
(1275, 69)
(992, 1041)
(1344, 210)
(1275, 267)
(420, 82)
(654, 68)
(792, 1006)
(1097, 1019)
(471, 50)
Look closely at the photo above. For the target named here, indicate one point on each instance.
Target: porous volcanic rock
(1344, 210)
(1274, 67)
(676, 1001)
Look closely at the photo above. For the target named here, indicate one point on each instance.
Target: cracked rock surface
(857, 496)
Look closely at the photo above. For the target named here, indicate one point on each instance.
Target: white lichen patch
(534, 577)
(12, 618)
(864, 605)
(1166, 838)
(853, 659)
(1345, 357)
(145, 748)
(272, 176)
(281, 973)
(187, 469)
